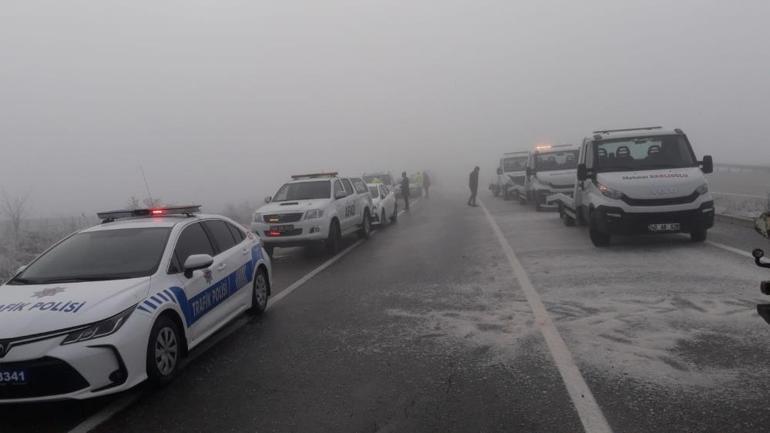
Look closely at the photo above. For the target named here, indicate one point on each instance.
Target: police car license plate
(282, 228)
(668, 227)
(13, 377)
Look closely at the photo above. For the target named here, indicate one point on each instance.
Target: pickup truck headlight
(314, 213)
(99, 329)
(609, 192)
(702, 189)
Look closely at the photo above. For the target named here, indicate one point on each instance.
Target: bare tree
(14, 209)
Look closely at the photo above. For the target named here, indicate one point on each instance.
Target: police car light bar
(314, 175)
(647, 128)
(133, 213)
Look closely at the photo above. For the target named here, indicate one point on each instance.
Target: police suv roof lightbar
(313, 175)
(113, 215)
(607, 131)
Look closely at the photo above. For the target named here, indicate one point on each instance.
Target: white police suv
(113, 305)
(314, 208)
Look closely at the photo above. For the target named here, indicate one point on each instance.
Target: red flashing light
(156, 212)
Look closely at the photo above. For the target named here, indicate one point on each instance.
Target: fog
(220, 101)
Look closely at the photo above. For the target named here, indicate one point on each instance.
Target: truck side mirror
(707, 165)
(268, 199)
(762, 225)
(499, 170)
(582, 172)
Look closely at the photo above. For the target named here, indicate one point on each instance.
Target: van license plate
(668, 227)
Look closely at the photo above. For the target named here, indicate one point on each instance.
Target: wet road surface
(426, 328)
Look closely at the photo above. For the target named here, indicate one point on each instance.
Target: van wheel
(334, 239)
(598, 237)
(366, 226)
(260, 292)
(698, 235)
(164, 351)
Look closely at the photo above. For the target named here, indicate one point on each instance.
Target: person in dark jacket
(426, 184)
(473, 183)
(405, 190)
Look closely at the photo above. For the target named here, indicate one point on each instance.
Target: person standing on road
(473, 183)
(426, 184)
(405, 190)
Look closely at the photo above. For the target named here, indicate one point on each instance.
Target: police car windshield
(514, 164)
(564, 160)
(644, 153)
(99, 255)
(314, 189)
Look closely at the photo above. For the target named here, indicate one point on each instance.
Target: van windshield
(643, 153)
(516, 163)
(550, 161)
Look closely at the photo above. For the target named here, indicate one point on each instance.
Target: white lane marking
(731, 249)
(588, 409)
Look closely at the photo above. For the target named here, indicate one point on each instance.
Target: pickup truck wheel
(698, 235)
(366, 226)
(334, 239)
(383, 218)
(565, 218)
(394, 218)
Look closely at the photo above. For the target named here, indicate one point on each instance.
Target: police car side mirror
(707, 165)
(582, 172)
(268, 199)
(196, 262)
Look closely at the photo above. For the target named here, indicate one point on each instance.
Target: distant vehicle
(384, 203)
(314, 208)
(415, 185)
(550, 170)
(641, 180)
(510, 173)
(113, 305)
(380, 177)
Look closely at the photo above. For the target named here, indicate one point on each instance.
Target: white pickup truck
(641, 180)
(314, 208)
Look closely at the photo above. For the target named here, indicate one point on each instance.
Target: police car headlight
(609, 192)
(257, 217)
(99, 329)
(702, 189)
(314, 213)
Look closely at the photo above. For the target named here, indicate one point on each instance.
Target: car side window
(223, 238)
(236, 232)
(193, 240)
(360, 186)
(338, 187)
(348, 187)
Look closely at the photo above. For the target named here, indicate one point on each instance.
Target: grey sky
(221, 100)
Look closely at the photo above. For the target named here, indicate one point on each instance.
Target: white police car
(113, 305)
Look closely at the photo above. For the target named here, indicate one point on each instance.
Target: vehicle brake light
(158, 212)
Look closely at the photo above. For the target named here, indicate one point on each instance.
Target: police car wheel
(164, 351)
(333, 241)
(366, 226)
(260, 293)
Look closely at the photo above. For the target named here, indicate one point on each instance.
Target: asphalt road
(427, 327)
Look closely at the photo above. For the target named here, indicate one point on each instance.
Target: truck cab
(642, 180)
(550, 170)
(510, 174)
